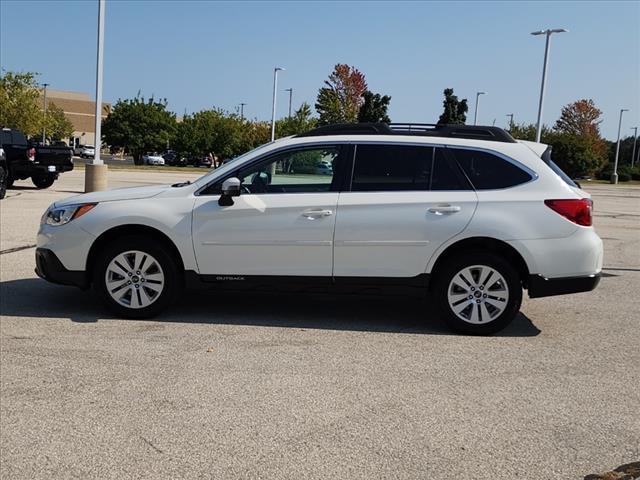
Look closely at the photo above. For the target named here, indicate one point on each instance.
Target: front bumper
(49, 267)
(540, 286)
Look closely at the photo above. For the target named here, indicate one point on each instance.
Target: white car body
(344, 235)
(152, 160)
(88, 151)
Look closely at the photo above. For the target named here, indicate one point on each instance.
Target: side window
(392, 168)
(446, 175)
(487, 171)
(295, 171)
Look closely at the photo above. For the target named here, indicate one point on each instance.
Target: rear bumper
(540, 286)
(49, 267)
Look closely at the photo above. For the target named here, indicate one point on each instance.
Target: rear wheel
(136, 278)
(478, 293)
(43, 181)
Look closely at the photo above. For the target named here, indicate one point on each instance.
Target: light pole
(475, 115)
(510, 115)
(242, 111)
(96, 172)
(44, 113)
(635, 139)
(290, 90)
(548, 33)
(273, 107)
(614, 175)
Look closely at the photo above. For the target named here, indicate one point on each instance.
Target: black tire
(172, 275)
(10, 179)
(3, 182)
(43, 181)
(453, 267)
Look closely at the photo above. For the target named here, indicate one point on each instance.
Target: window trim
(343, 155)
(452, 162)
(533, 176)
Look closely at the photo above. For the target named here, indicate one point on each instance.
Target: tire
(10, 179)
(43, 181)
(493, 285)
(3, 182)
(159, 280)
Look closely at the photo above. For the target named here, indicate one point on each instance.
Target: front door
(281, 224)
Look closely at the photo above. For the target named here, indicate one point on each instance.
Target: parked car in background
(152, 159)
(77, 150)
(3, 173)
(324, 168)
(41, 163)
(464, 215)
(196, 160)
(88, 151)
(173, 159)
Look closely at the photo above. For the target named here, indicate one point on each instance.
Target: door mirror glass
(230, 189)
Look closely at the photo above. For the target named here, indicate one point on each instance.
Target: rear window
(13, 137)
(392, 168)
(487, 171)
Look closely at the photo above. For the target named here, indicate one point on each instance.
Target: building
(79, 108)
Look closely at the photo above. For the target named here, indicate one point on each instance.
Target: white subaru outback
(467, 214)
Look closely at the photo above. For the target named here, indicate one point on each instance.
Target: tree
(19, 94)
(301, 121)
(374, 108)
(523, 131)
(340, 99)
(574, 155)
(139, 126)
(58, 126)
(580, 118)
(455, 111)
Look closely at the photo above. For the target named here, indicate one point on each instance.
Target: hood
(130, 193)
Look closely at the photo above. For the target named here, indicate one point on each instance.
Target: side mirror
(230, 189)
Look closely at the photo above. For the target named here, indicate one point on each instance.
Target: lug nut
(137, 286)
(137, 273)
(129, 282)
(129, 273)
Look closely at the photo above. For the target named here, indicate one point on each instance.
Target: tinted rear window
(487, 171)
(13, 137)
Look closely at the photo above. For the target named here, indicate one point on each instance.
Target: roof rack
(494, 134)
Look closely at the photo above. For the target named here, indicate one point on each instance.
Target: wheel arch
(129, 230)
(483, 244)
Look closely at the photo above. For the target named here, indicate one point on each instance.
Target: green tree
(455, 111)
(301, 121)
(340, 99)
(58, 126)
(139, 126)
(575, 155)
(523, 131)
(19, 94)
(374, 108)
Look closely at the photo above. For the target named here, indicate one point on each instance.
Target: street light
(290, 90)
(475, 116)
(44, 114)
(510, 115)
(635, 138)
(273, 108)
(614, 175)
(242, 111)
(548, 33)
(95, 174)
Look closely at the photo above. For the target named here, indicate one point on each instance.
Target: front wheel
(43, 181)
(136, 278)
(478, 293)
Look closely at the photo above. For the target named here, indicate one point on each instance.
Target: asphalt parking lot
(298, 386)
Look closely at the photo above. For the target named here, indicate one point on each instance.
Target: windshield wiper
(182, 184)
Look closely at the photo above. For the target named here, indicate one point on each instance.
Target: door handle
(444, 209)
(313, 214)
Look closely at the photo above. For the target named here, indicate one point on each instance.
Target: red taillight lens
(576, 210)
(31, 154)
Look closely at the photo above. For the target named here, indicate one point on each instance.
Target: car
(324, 168)
(464, 215)
(173, 159)
(88, 151)
(152, 159)
(77, 150)
(23, 159)
(4, 173)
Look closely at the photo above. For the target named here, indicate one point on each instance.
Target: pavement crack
(151, 444)
(16, 249)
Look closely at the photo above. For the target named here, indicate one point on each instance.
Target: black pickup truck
(42, 163)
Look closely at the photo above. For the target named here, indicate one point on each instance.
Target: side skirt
(414, 286)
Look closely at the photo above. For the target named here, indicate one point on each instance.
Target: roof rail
(495, 134)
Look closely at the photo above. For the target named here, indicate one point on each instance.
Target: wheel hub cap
(478, 294)
(134, 279)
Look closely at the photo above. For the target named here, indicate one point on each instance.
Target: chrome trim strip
(271, 243)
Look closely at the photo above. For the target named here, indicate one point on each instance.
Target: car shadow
(35, 298)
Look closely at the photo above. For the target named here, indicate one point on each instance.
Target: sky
(203, 54)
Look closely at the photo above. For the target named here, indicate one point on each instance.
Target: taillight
(31, 154)
(576, 210)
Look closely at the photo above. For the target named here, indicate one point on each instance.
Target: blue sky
(204, 54)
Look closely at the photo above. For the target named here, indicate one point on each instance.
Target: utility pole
(614, 175)
(242, 111)
(290, 90)
(44, 113)
(635, 139)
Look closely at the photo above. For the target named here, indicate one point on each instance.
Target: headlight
(60, 216)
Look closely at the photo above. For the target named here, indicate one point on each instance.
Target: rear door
(404, 202)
